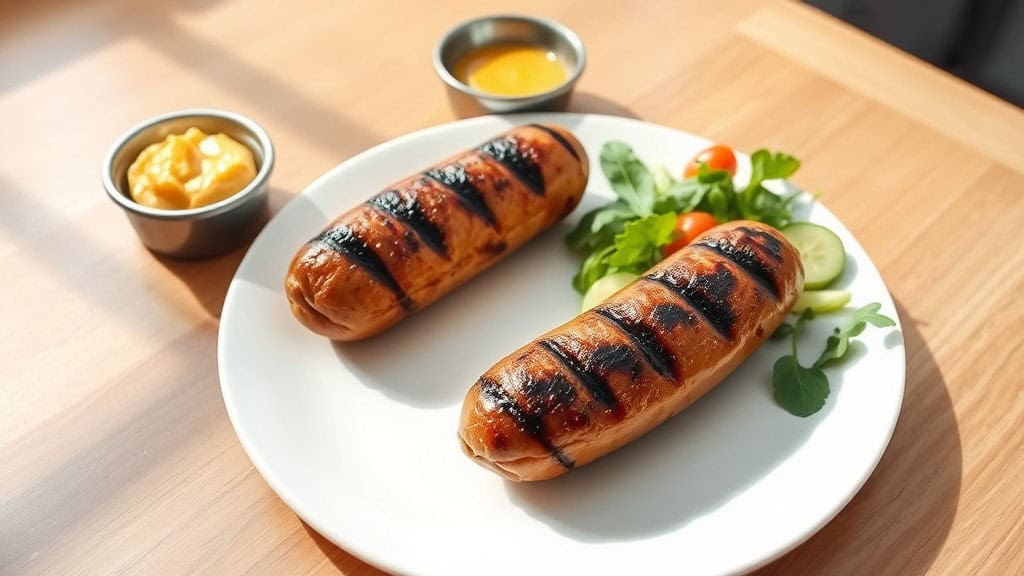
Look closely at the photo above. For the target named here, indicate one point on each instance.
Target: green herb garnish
(801, 390)
(635, 249)
(632, 182)
(647, 199)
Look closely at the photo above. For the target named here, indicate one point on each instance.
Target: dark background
(982, 41)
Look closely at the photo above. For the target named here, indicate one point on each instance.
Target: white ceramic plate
(360, 439)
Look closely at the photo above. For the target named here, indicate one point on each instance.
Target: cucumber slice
(605, 287)
(822, 300)
(821, 252)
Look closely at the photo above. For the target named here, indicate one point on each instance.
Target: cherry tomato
(717, 157)
(689, 226)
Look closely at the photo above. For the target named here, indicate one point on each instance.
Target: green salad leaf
(598, 227)
(839, 342)
(802, 390)
(627, 235)
(756, 202)
(638, 247)
(611, 238)
(635, 249)
(632, 182)
(765, 165)
(594, 267)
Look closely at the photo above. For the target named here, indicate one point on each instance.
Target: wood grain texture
(117, 453)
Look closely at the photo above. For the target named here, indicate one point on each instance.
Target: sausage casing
(423, 236)
(618, 370)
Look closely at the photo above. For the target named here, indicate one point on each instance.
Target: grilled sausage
(620, 369)
(423, 236)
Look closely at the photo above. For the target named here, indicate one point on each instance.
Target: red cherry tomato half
(689, 226)
(717, 157)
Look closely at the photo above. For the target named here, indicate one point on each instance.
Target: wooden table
(116, 455)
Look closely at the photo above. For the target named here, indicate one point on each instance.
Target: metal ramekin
(195, 232)
(504, 28)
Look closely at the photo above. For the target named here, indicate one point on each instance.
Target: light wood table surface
(116, 454)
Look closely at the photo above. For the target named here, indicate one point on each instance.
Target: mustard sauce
(190, 170)
(511, 70)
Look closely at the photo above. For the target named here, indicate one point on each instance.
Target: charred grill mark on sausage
(610, 358)
(595, 383)
(529, 421)
(518, 158)
(454, 178)
(559, 138)
(707, 293)
(772, 245)
(343, 240)
(625, 319)
(748, 260)
(407, 209)
(670, 316)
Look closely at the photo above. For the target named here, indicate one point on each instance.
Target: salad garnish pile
(655, 214)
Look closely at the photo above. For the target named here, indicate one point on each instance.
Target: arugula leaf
(706, 175)
(715, 194)
(770, 208)
(579, 237)
(870, 315)
(680, 197)
(593, 268)
(598, 227)
(839, 342)
(630, 179)
(615, 213)
(801, 390)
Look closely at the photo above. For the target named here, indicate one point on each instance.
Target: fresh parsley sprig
(802, 390)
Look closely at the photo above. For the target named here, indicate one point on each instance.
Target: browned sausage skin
(615, 372)
(421, 237)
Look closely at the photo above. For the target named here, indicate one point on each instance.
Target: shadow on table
(899, 521)
(589, 103)
(209, 278)
(342, 560)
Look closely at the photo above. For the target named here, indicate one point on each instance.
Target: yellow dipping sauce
(190, 170)
(511, 69)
